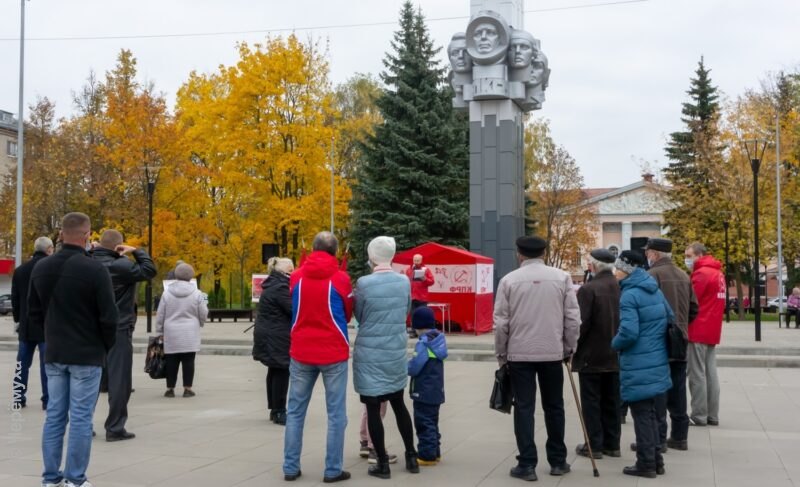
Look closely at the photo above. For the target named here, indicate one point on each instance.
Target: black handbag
(155, 364)
(502, 398)
(676, 343)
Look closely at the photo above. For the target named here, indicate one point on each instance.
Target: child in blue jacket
(426, 369)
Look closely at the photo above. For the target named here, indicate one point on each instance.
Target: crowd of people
(635, 332)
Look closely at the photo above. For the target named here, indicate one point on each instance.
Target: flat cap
(659, 244)
(603, 255)
(632, 258)
(531, 246)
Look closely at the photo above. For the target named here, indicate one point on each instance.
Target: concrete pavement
(222, 437)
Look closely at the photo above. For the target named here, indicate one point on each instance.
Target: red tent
(462, 279)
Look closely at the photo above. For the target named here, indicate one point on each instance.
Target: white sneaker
(48, 484)
(85, 483)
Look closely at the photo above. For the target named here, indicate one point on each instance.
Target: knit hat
(381, 250)
(184, 272)
(629, 260)
(423, 319)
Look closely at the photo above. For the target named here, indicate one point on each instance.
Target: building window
(11, 148)
(614, 250)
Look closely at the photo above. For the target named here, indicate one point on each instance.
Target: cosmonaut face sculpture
(521, 49)
(460, 60)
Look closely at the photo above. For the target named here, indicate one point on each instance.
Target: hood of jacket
(320, 265)
(640, 279)
(181, 289)
(275, 279)
(435, 343)
(707, 261)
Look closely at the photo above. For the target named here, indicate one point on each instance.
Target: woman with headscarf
(271, 335)
(182, 311)
(382, 303)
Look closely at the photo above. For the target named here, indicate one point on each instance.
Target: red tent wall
(462, 279)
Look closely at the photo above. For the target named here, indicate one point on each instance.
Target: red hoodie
(709, 286)
(322, 305)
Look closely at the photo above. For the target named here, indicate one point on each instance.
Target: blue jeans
(24, 360)
(73, 395)
(302, 378)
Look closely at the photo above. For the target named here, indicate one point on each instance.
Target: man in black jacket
(71, 298)
(30, 337)
(125, 274)
(677, 289)
(595, 360)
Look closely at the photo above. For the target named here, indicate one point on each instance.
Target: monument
(499, 73)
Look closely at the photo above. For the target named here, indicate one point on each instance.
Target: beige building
(8, 142)
(626, 217)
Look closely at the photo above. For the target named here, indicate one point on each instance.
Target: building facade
(8, 142)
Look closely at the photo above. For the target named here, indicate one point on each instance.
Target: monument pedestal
(496, 182)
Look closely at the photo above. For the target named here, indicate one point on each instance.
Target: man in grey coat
(677, 289)
(537, 322)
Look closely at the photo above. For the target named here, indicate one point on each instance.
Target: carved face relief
(520, 52)
(459, 58)
(486, 38)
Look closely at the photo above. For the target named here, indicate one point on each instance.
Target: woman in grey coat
(382, 302)
(182, 311)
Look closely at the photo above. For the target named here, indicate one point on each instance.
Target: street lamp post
(151, 175)
(20, 136)
(725, 225)
(759, 145)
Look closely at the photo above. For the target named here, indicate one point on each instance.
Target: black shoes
(639, 472)
(713, 422)
(280, 418)
(611, 453)
(170, 393)
(682, 445)
(291, 477)
(125, 435)
(524, 473)
(664, 447)
(412, 465)
(583, 450)
(559, 470)
(380, 470)
(342, 476)
(660, 470)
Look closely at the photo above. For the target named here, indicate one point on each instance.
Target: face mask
(649, 263)
(689, 263)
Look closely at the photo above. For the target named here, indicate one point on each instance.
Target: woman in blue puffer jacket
(643, 360)
(382, 302)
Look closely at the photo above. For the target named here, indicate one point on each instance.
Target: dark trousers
(25, 353)
(645, 425)
(183, 360)
(793, 312)
(674, 401)
(119, 367)
(551, 386)
(426, 422)
(600, 402)
(375, 426)
(277, 388)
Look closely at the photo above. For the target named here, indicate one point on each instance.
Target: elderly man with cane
(537, 321)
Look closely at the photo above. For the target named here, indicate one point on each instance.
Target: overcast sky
(619, 72)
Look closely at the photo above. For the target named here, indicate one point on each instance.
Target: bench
(788, 315)
(235, 313)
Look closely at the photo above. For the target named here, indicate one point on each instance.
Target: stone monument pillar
(499, 73)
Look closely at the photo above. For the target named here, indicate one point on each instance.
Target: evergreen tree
(413, 182)
(695, 154)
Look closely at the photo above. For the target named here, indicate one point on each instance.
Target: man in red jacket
(421, 279)
(704, 334)
(322, 305)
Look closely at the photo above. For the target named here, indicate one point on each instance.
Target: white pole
(20, 136)
(778, 186)
(332, 184)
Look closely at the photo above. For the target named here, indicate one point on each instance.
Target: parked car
(5, 304)
(772, 304)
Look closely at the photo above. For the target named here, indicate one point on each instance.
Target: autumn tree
(413, 181)
(554, 186)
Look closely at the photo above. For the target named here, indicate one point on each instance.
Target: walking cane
(580, 415)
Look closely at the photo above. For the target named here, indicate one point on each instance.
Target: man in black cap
(537, 322)
(677, 288)
(595, 361)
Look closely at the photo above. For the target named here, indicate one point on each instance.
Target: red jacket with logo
(322, 305)
(419, 288)
(709, 286)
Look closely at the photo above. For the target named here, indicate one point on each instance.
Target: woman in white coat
(182, 311)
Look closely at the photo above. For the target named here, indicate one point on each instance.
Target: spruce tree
(413, 181)
(695, 154)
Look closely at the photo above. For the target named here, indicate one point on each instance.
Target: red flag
(343, 265)
(302, 257)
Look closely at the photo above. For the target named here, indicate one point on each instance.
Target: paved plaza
(222, 437)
